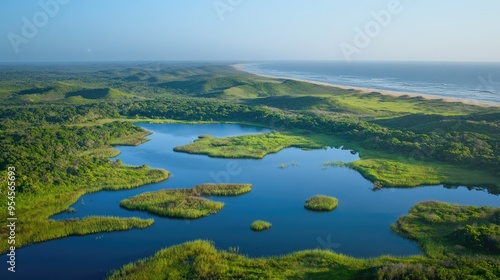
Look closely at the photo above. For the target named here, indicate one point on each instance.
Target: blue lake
(359, 227)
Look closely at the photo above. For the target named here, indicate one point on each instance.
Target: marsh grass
(222, 189)
(443, 228)
(432, 224)
(321, 203)
(184, 203)
(405, 173)
(335, 164)
(255, 146)
(34, 209)
(34, 231)
(201, 260)
(173, 204)
(260, 225)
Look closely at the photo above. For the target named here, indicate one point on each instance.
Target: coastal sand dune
(240, 67)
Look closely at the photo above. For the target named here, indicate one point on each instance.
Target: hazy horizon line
(236, 61)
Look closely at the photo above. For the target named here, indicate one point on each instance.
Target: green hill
(99, 93)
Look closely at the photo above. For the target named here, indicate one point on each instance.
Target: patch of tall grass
(34, 211)
(404, 173)
(443, 228)
(321, 203)
(445, 258)
(173, 204)
(184, 203)
(248, 146)
(260, 225)
(222, 189)
(201, 260)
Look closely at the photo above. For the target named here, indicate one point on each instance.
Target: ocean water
(467, 80)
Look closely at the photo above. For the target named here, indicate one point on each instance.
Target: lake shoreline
(241, 67)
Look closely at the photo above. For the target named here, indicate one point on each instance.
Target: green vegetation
(380, 127)
(201, 260)
(184, 203)
(381, 106)
(222, 189)
(260, 225)
(55, 165)
(434, 225)
(393, 173)
(443, 228)
(247, 146)
(335, 164)
(321, 203)
(58, 125)
(173, 204)
(101, 93)
(38, 231)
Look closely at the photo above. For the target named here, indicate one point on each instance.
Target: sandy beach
(240, 67)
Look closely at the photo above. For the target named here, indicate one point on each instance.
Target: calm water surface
(358, 227)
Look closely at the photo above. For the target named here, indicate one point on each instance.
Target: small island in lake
(260, 225)
(321, 203)
(184, 203)
(255, 146)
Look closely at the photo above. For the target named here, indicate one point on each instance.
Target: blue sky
(126, 30)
